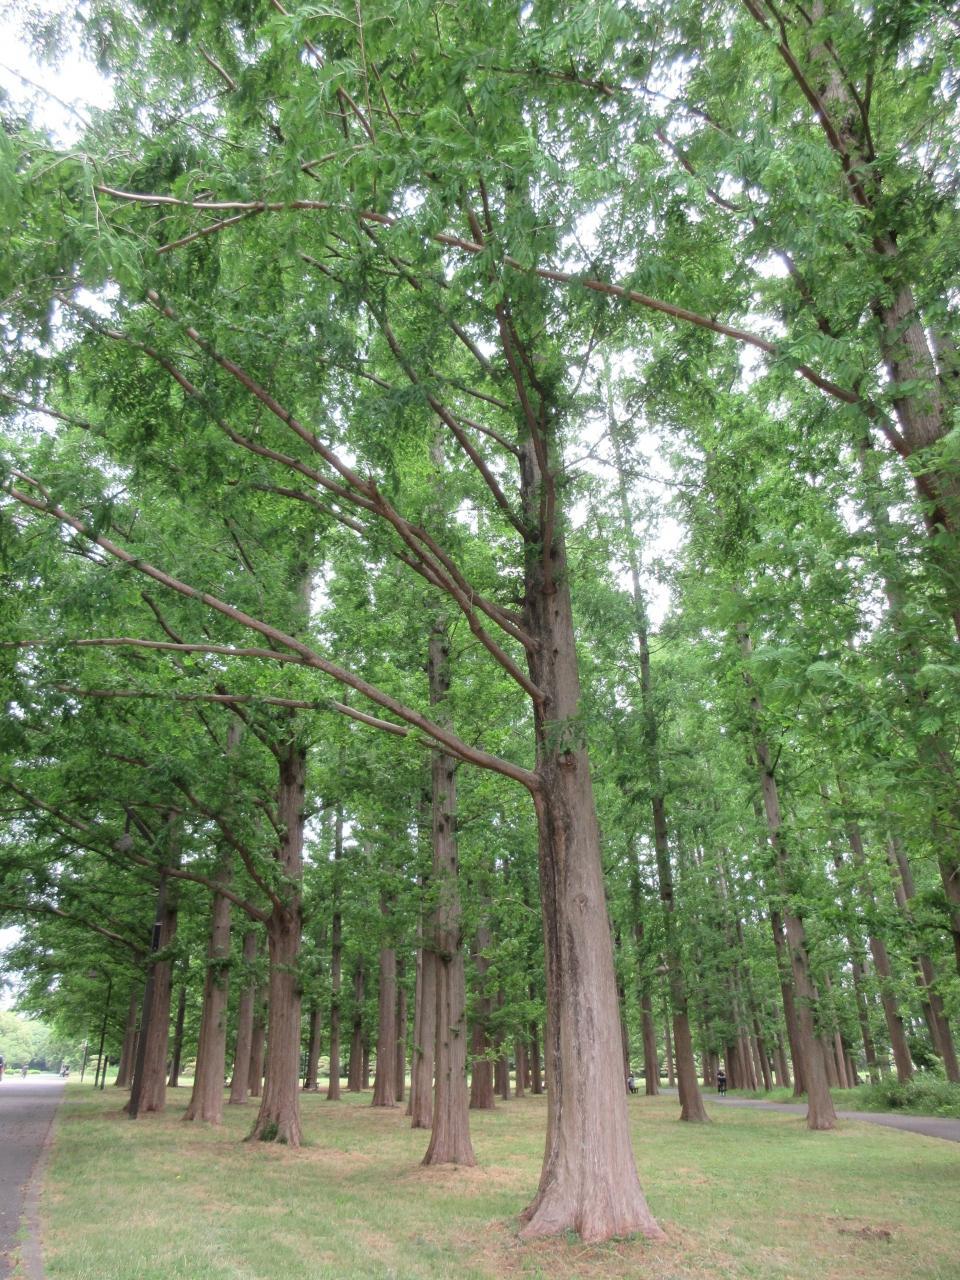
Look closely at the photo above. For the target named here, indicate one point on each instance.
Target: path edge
(30, 1257)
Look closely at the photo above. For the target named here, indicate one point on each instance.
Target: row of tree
(336, 355)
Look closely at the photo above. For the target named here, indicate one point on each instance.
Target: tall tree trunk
(311, 1083)
(355, 1070)
(903, 888)
(148, 1091)
(881, 960)
(206, 1100)
(481, 1068)
(821, 1113)
(401, 1076)
(520, 1058)
(450, 1133)
(336, 962)
(691, 1100)
(424, 1041)
(536, 1080)
(240, 1081)
(176, 1054)
(128, 1049)
(384, 1081)
(651, 1060)
(589, 1180)
(279, 1117)
(258, 1039)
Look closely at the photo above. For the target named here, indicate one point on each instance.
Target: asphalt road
(931, 1126)
(27, 1109)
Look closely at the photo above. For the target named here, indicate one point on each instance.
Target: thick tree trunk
(240, 1081)
(450, 1133)
(279, 1117)
(148, 1092)
(128, 1050)
(589, 1180)
(206, 1100)
(311, 1083)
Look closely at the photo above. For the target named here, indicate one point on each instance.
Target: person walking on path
(721, 1082)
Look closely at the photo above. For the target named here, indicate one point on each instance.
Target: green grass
(752, 1195)
(924, 1095)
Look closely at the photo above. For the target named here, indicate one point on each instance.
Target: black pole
(103, 1032)
(133, 1106)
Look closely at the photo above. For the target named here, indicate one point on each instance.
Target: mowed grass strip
(751, 1195)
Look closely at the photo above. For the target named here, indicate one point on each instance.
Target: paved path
(931, 1126)
(27, 1109)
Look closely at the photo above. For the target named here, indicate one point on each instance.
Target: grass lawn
(751, 1195)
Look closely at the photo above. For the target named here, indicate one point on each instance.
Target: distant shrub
(925, 1094)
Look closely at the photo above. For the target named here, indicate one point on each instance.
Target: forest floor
(752, 1195)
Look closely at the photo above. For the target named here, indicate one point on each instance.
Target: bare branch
(298, 651)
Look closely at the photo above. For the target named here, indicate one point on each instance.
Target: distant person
(632, 1082)
(721, 1082)
(23, 1072)
(3, 1065)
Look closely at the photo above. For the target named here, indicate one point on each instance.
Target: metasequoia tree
(411, 317)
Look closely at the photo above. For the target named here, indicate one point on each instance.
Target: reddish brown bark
(240, 1081)
(820, 1109)
(384, 1082)
(481, 1066)
(206, 1099)
(933, 1009)
(424, 1038)
(279, 1115)
(589, 1181)
(148, 1092)
(450, 1133)
(881, 960)
(128, 1049)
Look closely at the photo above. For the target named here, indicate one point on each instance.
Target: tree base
(554, 1215)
